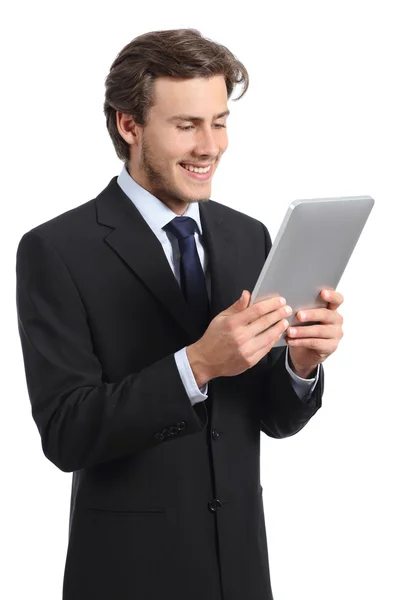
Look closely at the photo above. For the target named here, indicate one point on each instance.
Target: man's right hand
(230, 345)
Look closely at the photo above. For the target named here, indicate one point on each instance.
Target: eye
(187, 127)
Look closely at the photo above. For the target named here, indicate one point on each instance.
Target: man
(149, 379)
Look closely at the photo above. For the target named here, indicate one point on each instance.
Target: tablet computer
(311, 251)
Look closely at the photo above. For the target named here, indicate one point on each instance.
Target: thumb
(240, 304)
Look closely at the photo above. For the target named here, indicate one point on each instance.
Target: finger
(333, 297)
(251, 313)
(319, 345)
(323, 315)
(266, 338)
(265, 321)
(315, 331)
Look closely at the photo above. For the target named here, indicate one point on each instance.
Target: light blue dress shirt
(157, 215)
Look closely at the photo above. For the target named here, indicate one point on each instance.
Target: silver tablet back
(311, 251)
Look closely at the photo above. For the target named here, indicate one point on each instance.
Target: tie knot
(182, 227)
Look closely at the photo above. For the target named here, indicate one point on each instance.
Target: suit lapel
(134, 241)
(222, 253)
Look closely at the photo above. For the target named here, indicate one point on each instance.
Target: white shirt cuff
(195, 393)
(303, 387)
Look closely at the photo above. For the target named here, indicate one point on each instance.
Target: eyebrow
(191, 118)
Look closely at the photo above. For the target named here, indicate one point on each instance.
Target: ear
(128, 129)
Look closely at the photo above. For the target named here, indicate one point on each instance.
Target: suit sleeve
(282, 412)
(82, 419)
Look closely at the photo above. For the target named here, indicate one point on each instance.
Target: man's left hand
(310, 345)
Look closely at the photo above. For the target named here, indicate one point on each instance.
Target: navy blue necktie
(193, 282)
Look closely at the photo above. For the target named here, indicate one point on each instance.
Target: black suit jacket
(166, 500)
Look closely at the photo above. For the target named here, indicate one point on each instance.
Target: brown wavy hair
(181, 53)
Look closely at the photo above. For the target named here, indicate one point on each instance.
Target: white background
(321, 118)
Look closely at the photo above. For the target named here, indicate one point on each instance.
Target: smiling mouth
(196, 175)
(196, 168)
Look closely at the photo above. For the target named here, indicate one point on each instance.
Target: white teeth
(196, 169)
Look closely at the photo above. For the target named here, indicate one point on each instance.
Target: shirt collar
(154, 211)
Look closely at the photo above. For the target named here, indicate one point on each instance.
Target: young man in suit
(149, 379)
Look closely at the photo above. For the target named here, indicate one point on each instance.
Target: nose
(206, 143)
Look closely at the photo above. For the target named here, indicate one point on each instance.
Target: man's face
(166, 143)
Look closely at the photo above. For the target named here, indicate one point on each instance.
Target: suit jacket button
(181, 425)
(214, 505)
(165, 432)
(215, 434)
(174, 430)
(159, 436)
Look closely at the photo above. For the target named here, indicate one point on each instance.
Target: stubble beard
(160, 186)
